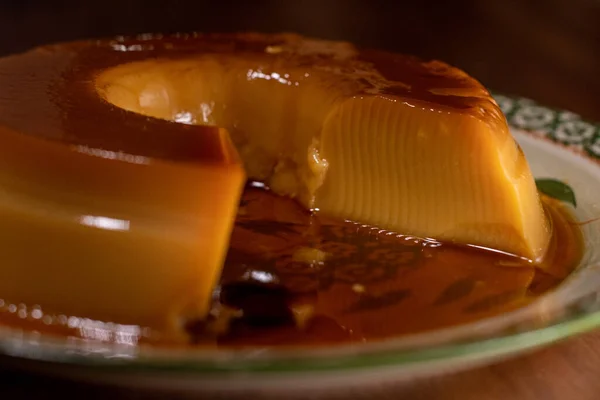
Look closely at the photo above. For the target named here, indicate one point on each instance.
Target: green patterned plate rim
(562, 127)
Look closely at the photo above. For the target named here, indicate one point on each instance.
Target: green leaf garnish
(556, 189)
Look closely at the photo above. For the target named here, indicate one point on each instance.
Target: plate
(558, 144)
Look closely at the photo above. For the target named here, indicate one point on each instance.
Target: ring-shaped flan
(122, 161)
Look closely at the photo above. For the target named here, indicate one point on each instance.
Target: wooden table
(568, 370)
(547, 50)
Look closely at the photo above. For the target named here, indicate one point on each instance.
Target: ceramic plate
(558, 144)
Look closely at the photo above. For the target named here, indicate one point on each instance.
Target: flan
(123, 161)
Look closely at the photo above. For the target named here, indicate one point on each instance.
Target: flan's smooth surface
(387, 140)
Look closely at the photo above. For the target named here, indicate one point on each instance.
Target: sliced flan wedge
(117, 203)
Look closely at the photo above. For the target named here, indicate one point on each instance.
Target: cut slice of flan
(123, 161)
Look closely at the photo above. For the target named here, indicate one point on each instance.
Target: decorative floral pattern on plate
(563, 127)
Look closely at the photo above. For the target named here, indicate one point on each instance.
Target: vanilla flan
(123, 161)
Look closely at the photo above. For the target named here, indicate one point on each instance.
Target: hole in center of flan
(159, 90)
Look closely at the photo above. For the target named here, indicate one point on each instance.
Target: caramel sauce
(355, 283)
(369, 284)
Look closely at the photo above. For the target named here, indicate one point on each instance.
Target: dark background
(547, 50)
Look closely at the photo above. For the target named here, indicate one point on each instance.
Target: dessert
(123, 161)
(387, 140)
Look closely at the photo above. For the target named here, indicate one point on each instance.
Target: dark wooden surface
(568, 370)
(547, 50)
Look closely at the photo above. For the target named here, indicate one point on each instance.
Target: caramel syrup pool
(293, 278)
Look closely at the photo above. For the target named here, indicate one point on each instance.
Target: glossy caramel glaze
(356, 283)
(369, 283)
(48, 92)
